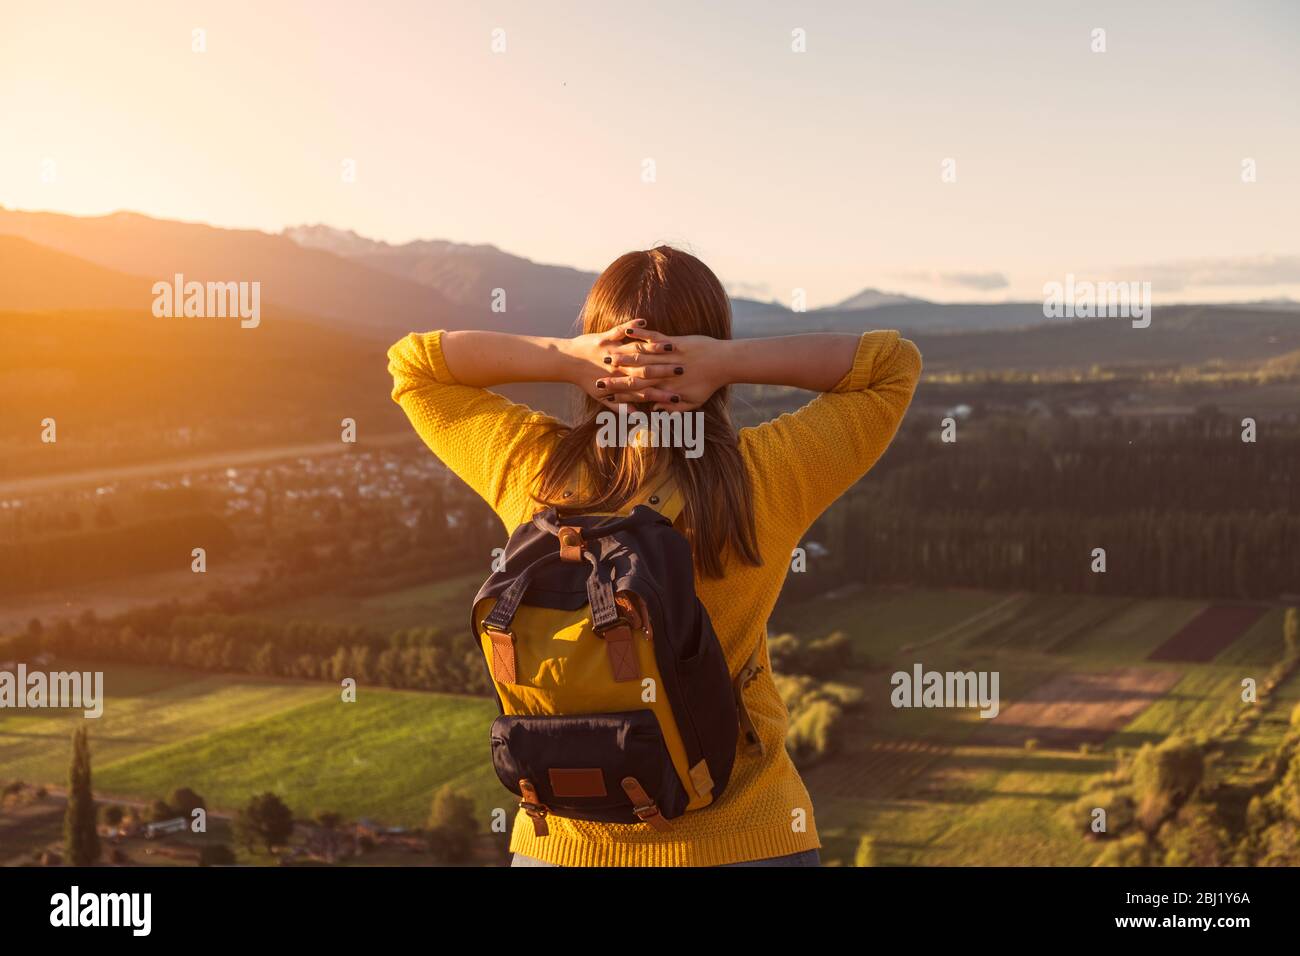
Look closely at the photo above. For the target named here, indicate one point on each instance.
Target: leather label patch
(580, 782)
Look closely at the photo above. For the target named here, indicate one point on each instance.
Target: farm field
(146, 708)
(932, 786)
(440, 604)
(942, 786)
(230, 737)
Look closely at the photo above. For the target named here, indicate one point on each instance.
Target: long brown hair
(676, 294)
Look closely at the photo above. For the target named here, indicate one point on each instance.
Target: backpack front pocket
(579, 765)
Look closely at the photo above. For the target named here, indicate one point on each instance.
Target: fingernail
(640, 322)
(609, 360)
(676, 399)
(600, 384)
(668, 348)
(609, 398)
(678, 370)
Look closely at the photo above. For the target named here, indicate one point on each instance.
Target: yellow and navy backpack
(616, 702)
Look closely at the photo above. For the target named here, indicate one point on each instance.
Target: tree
(452, 826)
(1166, 777)
(328, 819)
(185, 801)
(216, 854)
(80, 838)
(1194, 837)
(266, 820)
(1136, 849)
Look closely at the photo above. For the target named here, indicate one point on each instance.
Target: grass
(926, 787)
(922, 782)
(145, 708)
(427, 605)
(230, 737)
(881, 623)
(382, 757)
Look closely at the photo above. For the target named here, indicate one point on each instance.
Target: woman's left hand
(679, 380)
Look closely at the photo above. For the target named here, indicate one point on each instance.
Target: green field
(231, 737)
(927, 784)
(928, 790)
(440, 604)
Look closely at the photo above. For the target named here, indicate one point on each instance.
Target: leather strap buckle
(643, 805)
(571, 543)
(532, 806)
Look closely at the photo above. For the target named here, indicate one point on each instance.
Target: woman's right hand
(676, 373)
(629, 363)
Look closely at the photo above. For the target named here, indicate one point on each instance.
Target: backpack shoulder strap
(664, 497)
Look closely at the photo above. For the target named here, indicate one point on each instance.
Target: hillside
(34, 278)
(356, 298)
(913, 316)
(549, 296)
(124, 386)
(1178, 335)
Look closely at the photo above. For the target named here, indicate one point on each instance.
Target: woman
(657, 335)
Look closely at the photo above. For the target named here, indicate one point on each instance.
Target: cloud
(981, 281)
(1240, 270)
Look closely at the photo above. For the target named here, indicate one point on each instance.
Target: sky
(959, 151)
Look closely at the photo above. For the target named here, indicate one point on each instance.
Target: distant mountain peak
(870, 298)
(342, 242)
(347, 242)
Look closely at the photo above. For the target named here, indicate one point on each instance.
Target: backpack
(615, 700)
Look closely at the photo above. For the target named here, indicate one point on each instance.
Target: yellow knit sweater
(799, 463)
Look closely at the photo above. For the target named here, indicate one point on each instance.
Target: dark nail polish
(678, 370)
(609, 360)
(600, 384)
(668, 348)
(641, 322)
(676, 399)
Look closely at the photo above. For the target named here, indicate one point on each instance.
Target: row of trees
(1147, 553)
(1180, 508)
(445, 659)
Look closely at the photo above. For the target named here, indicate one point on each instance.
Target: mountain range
(380, 290)
(81, 342)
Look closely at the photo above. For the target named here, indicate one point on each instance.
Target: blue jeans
(806, 858)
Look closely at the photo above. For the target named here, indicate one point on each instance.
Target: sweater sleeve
(804, 460)
(494, 445)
